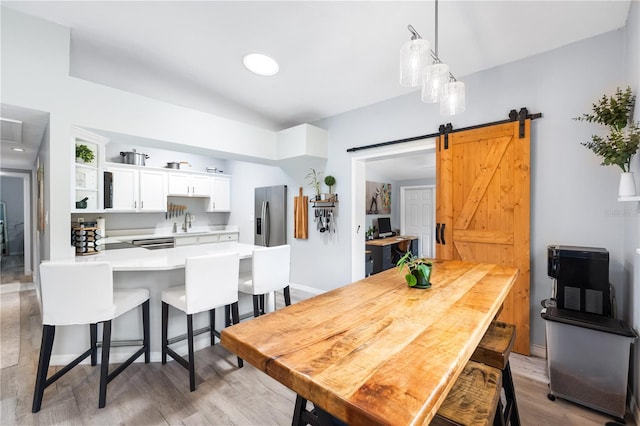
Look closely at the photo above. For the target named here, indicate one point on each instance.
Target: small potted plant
(313, 178)
(419, 270)
(330, 181)
(622, 142)
(370, 232)
(84, 153)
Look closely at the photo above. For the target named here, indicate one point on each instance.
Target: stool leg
(165, 327)
(498, 419)
(287, 296)
(192, 370)
(262, 309)
(227, 315)
(256, 305)
(236, 320)
(146, 332)
(212, 325)
(512, 406)
(104, 363)
(93, 335)
(48, 332)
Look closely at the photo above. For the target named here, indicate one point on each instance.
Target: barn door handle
(442, 234)
(437, 233)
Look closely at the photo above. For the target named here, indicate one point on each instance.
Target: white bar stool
(210, 282)
(269, 272)
(82, 293)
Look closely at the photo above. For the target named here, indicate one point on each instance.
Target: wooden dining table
(376, 351)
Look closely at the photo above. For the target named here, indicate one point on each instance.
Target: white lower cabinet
(220, 197)
(190, 240)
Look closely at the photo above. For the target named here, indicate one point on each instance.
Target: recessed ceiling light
(261, 64)
(18, 149)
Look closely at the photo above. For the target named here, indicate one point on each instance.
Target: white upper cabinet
(153, 194)
(188, 185)
(136, 190)
(220, 200)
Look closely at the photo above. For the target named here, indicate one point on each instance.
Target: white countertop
(140, 259)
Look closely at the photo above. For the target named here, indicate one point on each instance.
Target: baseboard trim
(538, 351)
(307, 289)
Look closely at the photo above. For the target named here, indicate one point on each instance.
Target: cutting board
(300, 215)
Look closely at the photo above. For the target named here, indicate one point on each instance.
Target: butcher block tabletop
(376, 351)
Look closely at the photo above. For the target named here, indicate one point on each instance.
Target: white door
(418, 209)
(152, 191)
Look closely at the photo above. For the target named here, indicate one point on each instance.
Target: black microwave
(108, 190)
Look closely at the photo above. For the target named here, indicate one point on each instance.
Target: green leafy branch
(622, 142)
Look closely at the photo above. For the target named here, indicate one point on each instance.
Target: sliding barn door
(483, 193)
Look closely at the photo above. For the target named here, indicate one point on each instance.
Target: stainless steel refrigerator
(270, 216)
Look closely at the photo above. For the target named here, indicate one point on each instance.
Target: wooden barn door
(483, 203)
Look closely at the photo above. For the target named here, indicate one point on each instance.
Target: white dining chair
(210, 283)
(270, 268)
(83, 293)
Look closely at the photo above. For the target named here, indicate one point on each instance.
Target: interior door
(483, 208)
(417, 219)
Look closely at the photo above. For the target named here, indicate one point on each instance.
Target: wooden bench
(474, 398)
(494, 350)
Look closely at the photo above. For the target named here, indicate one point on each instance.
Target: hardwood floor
(155, 394)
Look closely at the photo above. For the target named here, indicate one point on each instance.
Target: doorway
(359, 162)
(16, 255)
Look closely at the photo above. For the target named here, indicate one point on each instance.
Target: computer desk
(383, 250)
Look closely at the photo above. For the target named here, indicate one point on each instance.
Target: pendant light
(414, 57)
(438, 84)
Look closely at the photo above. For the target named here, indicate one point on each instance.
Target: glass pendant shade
(436, 76)
(414, 57)
(453, 99)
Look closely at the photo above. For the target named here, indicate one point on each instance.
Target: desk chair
(83, 293)
(211, 281)
(400, 249)
(270, 269)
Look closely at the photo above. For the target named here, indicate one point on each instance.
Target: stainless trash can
(588, 359)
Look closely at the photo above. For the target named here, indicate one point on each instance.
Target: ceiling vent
(11, 131)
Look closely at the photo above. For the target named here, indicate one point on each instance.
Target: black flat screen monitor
(384, 227)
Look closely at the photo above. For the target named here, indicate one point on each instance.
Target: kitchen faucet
(187, 219)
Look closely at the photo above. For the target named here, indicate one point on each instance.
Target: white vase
(627, 186)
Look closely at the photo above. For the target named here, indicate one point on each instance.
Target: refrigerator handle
(263, 224)
(267, 217)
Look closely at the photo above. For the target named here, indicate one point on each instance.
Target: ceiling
(334, 56)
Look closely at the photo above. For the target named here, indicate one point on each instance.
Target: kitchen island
(155, 270)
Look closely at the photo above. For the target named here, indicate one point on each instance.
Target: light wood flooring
(155, 394)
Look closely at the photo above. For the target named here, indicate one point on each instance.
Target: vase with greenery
(84, 153)
(419, 270)
(313, 178)
(621, 143)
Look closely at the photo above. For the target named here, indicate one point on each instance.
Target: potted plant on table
(419, 270)
(622, 142)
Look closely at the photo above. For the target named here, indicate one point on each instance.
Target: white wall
(631, 231)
